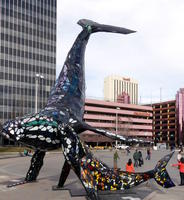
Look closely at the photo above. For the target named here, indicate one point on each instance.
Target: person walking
(141, 162)
(148, 157)
(179, 156)
(25, 152)
(129, 166)
(128, 150)
(180, 166)
(116, 157)
(136, 158)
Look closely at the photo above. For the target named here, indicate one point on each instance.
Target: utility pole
(117, 124)
(36, 90)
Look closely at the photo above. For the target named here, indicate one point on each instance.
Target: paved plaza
(13, 168)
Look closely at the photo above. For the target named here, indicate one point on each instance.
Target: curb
(7, 156)
(17, 154)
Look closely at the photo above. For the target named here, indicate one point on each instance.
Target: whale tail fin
(96, 27)
(160, 174)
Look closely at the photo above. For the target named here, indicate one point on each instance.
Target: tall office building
(115, 85)
(27, 49)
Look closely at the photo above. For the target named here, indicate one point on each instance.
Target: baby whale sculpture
(61, 120)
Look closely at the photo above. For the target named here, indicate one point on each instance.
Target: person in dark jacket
(141, 162)
(136, 158)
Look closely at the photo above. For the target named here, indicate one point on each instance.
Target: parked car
(122, 146)
(99, 147)
(162, 146)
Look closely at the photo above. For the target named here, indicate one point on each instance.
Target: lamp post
(117, 124)
(37, 77)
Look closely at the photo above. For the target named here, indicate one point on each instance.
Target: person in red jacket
(129, 166)
(180, 166)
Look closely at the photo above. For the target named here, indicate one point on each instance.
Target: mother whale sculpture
(61, 120)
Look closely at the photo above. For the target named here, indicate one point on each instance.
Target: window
(2, 62)
(2, 49)
(6, 50)
(6, 64)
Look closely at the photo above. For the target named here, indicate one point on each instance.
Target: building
(125, 119)
(123, 98)
(27, 48)
(168, 120)
(165, 129)
(180, 115)
(114, 85)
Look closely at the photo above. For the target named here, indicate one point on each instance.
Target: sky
(154, 55)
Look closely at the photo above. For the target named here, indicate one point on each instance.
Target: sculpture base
(55, 187)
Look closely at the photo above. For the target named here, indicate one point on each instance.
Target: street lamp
(37, 77)
(117, 124)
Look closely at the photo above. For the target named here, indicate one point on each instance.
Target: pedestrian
(181, 148)
(179, 156)
(136, 158)
(116, 157)
(172, 147)
(141, 162)
(129, 166)
(25, 152)
(148, 157)
(180, 166)
(128, 150)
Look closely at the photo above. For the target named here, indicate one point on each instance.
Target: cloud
(153, 55)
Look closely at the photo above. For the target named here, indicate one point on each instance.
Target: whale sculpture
(61, 121)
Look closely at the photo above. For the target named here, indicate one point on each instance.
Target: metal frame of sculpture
(61, 121)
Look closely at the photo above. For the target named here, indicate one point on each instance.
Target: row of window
(15, 103)
(27, 4)
(23, 66)
(44, 35)
(25, 16)
(33, 19)
(21, 78)
(22, 91)
(10, 115)
(29, 43)
(27, 55)
(20, 27)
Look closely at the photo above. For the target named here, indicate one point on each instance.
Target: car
(122, 146)
(99, 147)
(162, 146)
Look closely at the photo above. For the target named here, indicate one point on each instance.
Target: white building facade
(115, 85)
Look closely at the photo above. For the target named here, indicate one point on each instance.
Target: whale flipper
(161, 175)
(96, 27)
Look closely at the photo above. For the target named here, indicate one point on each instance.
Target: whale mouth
(6, 130)
(11, 130)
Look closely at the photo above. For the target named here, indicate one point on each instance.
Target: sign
(145, 114)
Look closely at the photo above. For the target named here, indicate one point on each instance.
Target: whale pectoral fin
(111, 135)
(102, 132)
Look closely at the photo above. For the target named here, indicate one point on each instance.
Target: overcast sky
(154, 55)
